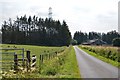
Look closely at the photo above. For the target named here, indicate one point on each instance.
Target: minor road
(91, 67)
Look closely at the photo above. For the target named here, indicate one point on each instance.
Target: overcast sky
(80, 15)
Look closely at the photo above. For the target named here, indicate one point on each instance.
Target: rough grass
(70, 66)
(114, 63)
(63, 66)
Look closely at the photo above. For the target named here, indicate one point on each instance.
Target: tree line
(108, 37)
(36, 31)
(48, 32)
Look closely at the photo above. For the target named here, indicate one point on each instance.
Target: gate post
(15, 62)
(28, 60)
(23, 59)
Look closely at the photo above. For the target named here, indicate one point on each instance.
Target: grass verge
(102, 58)
(63, 66)
(70, 67)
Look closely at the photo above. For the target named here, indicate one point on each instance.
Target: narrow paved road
(91, 67)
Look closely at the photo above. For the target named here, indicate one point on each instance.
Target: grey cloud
(109, 21)
(119, 16)
(110, 18)
(81, 9)
(42, 14)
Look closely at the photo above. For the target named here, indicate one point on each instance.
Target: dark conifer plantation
(36, 31)
(108, 37)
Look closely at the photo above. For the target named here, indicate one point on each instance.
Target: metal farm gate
(7, 59)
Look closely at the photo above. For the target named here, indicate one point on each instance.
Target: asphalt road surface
(91, 67)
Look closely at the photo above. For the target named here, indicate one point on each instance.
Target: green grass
(37, 50)
(70, 66)
(34, 49)
(62, 66)
(114, 63)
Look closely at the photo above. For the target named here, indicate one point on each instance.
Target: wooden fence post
(42, 58)
(23, 59)
(40, 62)
(46, 56)
(56, 54)
(15, 62)
(49, 55)
(33, 61)
(28, 60)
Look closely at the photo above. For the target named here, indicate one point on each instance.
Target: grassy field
(62, 66)
(104, 53)
(37, 50)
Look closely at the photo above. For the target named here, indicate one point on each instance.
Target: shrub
(113, 56)
(116, 42)
(90, 49)
(103, 53)
(61, 61)
(109, 54)
(74, 42)
(51, 71)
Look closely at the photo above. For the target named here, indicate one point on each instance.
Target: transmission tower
(50, 13)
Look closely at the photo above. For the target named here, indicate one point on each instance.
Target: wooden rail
(28, 60)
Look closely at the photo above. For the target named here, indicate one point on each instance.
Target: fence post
(42, 58)
(28, 60)
(49, 55)
(56, 54)
(40, 62)
(46, 56)
(33, 61)
(23, 58)
(15, 62)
